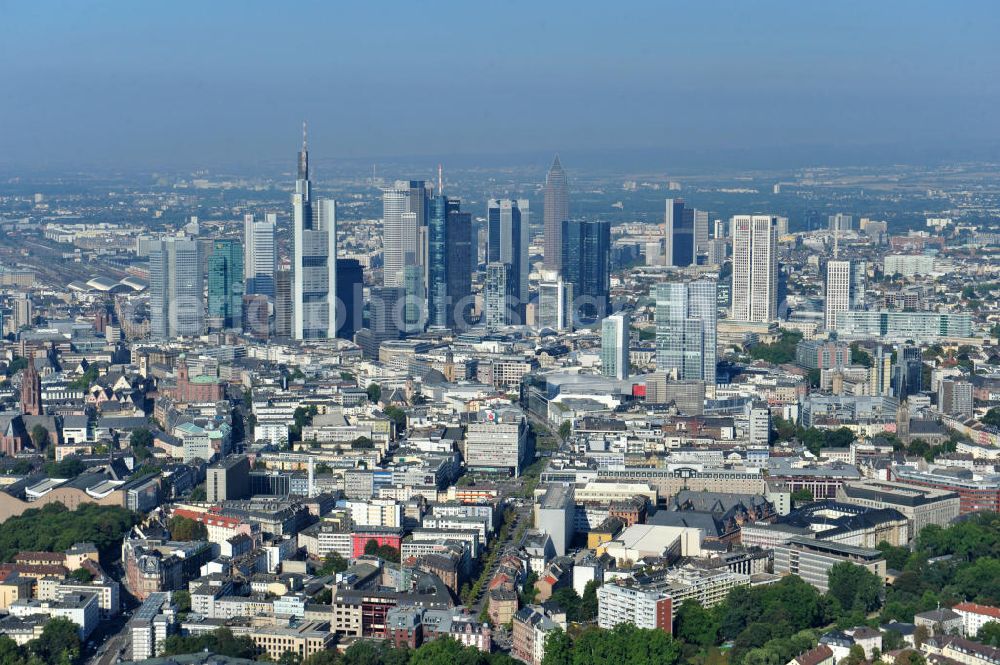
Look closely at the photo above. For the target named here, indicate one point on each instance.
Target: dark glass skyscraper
(678, 221)
(507, 242)
(225, 283)
(449, 282)
(586, 248)
(350, 296)
(556, 212)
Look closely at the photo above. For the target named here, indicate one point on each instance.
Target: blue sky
(191, 83)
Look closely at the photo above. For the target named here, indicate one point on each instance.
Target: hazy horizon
(678, 86)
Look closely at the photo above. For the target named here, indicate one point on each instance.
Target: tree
(141, 438)
(55, 528)
(362, 443)
(58, 643)
(182, 599)
(388, 553)
(892, 640)
(333, 563)
(992, 417)
(39, 436)
(397, 415)
(588, 602)
(920, 635)
(854, 587)
(289, 658)
(696, 625)
(81, 575)
(910, 657)
(371, 547)
(567, 598)
(199, 493)
(11, 653)
(860, 357)
(855, 656)
(374, 391)
(558, 648)
(185, 528)
(803, 494)
(565, 429)
(989, 633)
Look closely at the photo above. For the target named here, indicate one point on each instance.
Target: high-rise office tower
(176, 283)
(700, 231)
(955, 398)
(678, 234)
(385, 319)
(880, 373)
(838, 291)
(350, 294)
(404, 212)
(507, 242)
(755, 269)
(715, 252)
(449, 284)
(556, 211)
(415, 308)
(555, 303)
(586, 251)
(498, 308)
(225, 283)
(908, 375)
(840, 222)
(686, 322)
(283, 304)
(614, 346)
(260, 254)
(859, 283)
(22, 311)
(314, 276)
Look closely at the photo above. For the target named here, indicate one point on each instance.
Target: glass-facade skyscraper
(679, 236)
(686, 322)
(350, 294)
(586, 251)
(614, 346)
(176, 280)
(314, 287)
(225, 283)
(507, 242)
(449, 283)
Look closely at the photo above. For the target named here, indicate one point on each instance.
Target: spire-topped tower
(304, 155)
(440, 182)
(555, 213)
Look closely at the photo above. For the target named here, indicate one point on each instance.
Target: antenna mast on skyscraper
(440, 182)
(305, 142)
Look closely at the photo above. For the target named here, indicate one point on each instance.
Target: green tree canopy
(185, 528)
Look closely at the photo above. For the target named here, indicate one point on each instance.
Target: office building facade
(755, 269)
(586, 250)
(507, 242)
(686, 330)
(260, 254)
(614, 346)
(449, 285)
(679, 245)
(555, 213)
(405, 208)
(225, 284)
(350, 297)
(176, 298)
(314, 276)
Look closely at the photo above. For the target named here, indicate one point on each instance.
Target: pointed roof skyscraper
(556, 211)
